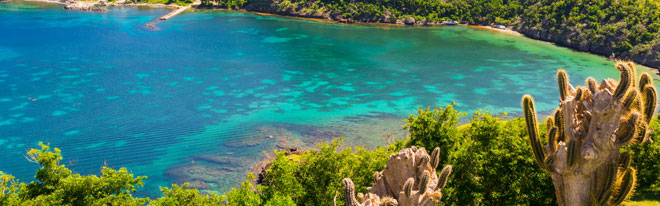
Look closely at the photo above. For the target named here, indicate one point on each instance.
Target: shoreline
(327, 19)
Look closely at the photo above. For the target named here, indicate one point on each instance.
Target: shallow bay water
(209, 93)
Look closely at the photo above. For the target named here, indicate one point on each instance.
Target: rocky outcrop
(409, 178)
(568, 38)
(85, 6)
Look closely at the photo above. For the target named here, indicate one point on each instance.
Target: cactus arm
(444, 176)
(435, 158)
(626, 186)
(349, 193)
(625, 82)
(650, 102)
(424, 181)
(532, 128)
(562, 81)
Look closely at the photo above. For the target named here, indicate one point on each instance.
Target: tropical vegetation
(492, 165)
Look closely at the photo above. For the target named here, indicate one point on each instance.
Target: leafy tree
(434, 127)
(180, 196)
(314, 177)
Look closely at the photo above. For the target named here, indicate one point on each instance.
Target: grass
(641, 203)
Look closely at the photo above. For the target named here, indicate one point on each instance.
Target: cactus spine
(572, 152)
(591, 82)
(625, 82)
(424, 181)
(562, 79)
(530, 115)
(626, 186)
(559, 123)
(444, 176)
(650, 102)
(608, 182)
(349, 193)
(435, 158)
(624, 160)
(644, 80)
(583, 158)
(408, 187)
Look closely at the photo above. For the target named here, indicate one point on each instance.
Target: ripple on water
(7, 53)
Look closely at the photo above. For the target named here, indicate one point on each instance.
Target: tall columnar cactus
(408, 179)
(586, 132)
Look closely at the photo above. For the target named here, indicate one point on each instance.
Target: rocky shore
(565, 38)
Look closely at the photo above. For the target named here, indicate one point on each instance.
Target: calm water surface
(106, 90)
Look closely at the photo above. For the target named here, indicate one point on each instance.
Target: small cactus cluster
(585, 133)
(409, 178)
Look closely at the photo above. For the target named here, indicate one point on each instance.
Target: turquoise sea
(209, 93)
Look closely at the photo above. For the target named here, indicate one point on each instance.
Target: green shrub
(314, 177)
(434, 127)
(491, 159)
(646, 159)
(493, 165)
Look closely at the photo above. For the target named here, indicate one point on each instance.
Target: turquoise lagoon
(209, 93)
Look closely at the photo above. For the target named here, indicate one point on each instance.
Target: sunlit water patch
(206, 96)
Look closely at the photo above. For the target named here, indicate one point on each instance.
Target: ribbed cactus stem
(532, 130)
(630, 98)
(625, 82)
(642, 132)
(424, 181)
(559, 123)
(349, 193)
(650, 102)
(578, 93)
(633, 72)
(549, 123)
(549, 163)
(427, 159)
(644, 80)
(626, 186)
(611, 169)
(408, 187)
(624, 160)
(592, 84)
(552, 140)
(435, 158)
(444, 176)
(562, 80)
(627, 129)
(572, 156)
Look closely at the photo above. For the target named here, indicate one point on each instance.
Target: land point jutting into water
(246, 103)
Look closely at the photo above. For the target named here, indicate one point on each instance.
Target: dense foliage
(434, 127)
(314, 177)
(492, 165)
(492, 161)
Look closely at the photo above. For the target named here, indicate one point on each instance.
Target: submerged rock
(198, 173)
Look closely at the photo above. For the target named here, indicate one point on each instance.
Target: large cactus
(586, 132)
(408, 179)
